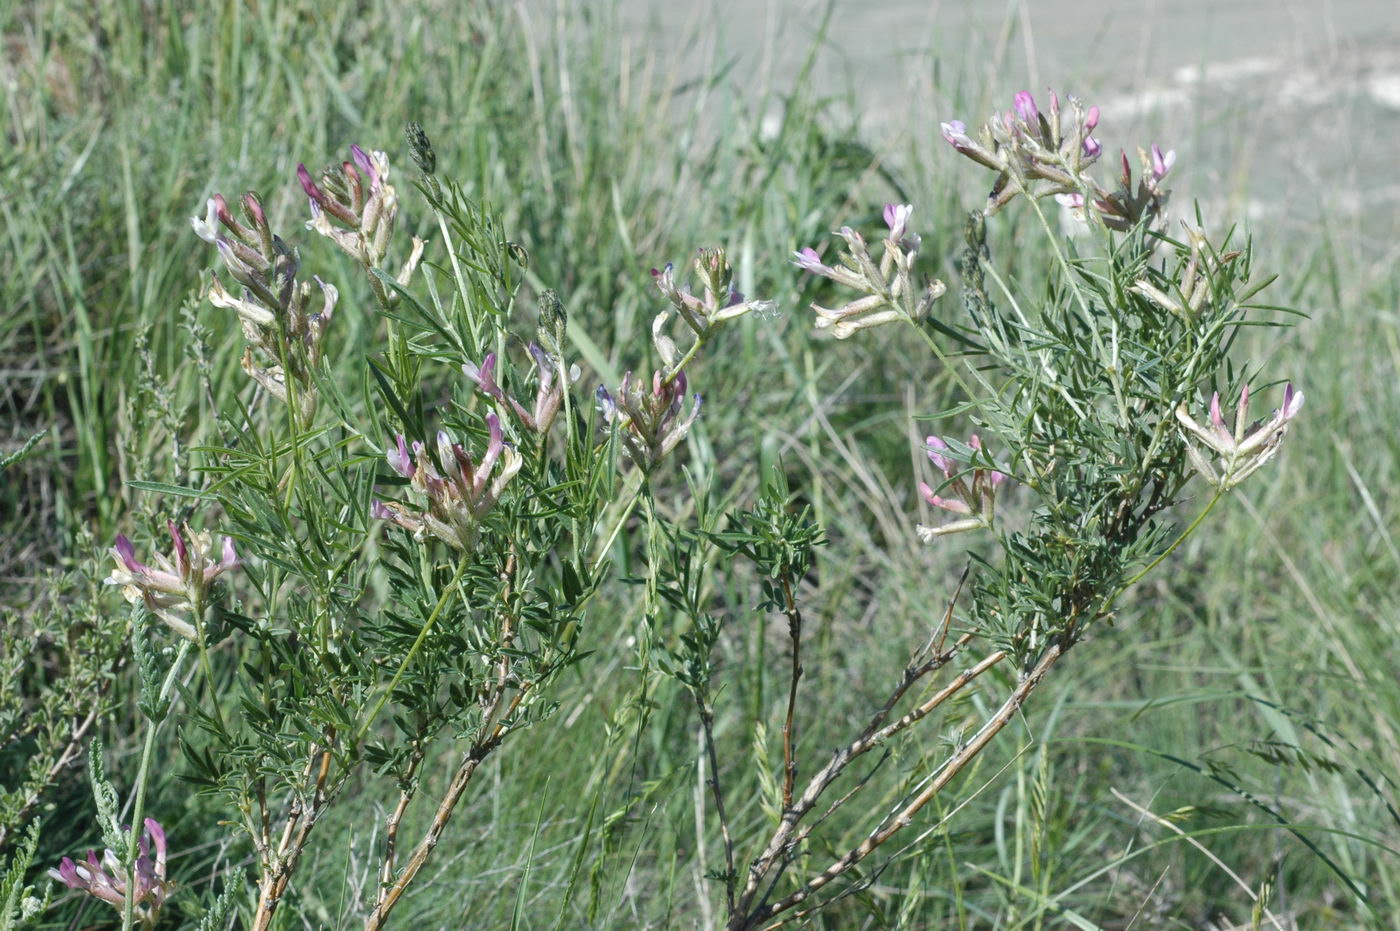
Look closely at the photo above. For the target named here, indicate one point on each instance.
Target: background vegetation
(1248, 697)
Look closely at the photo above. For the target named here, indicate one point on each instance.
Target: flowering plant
(394, 605)
(507, 507)
(1088, 387)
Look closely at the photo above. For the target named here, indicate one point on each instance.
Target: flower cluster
(107, 878)
(649, 416)
(357, 195)
(171, 589)
(976, 502)
(704, 314)
(888, 291)
(1043, 154)
(459, 496)
(1034, 153)
(1244, 449)
(549, 395)
(1125, 206)
(278, 313)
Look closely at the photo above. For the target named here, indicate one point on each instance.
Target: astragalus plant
(389, 572)
(366, 577)
(1088, 419)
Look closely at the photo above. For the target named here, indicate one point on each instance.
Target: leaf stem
(138, 804)
(413, 650)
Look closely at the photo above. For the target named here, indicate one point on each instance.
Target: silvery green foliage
(217, 918)
(365, 645)
(18, 901)
(104, 797)
(1080, 387)
(415, 554)
(1088, 385)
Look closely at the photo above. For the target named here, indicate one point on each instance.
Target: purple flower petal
(367, 166)
(309, 186)
(1026, 108)
(897, 219)
(126, 554)
(182, 552)
(944, 464)
(808, 260)
(1162, 163)
(1292, 402)
(399, 459)
(955, 131)
(229, 561)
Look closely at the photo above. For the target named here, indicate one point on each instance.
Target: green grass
(1248, 691)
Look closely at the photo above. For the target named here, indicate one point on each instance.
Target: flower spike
(107, 879)
(1242, 451)
(173, 589)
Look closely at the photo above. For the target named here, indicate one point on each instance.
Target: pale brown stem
(784, 837)
(904, 818)
(921, 712)
(391, 826)
(393, 887)
(479, 751)
(707, 719)
(277, 872)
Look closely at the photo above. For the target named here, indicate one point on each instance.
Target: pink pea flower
(399, 459)
(172, 587)
(650, 419)
(1162, 163)
(897, 219)
(484, 376)
(975, 501)
(458, 497)
(107, 879)
(1240, 451)
(549, 394)
(1024, 104)
(808, 260)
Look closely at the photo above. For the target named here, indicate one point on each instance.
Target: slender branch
(474, 757)
(707, 720)
(391, 825)
(921, 712)
(873, 734)
(788, 835)
(795, 633)
(277, 873)
(493, 718)
(71, 749)
(690, 354)
(413, 650)
(633, 497)
(1205, 512)
(954, 765)
(139, 793)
